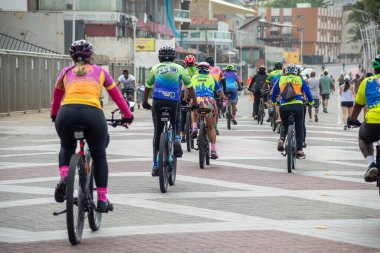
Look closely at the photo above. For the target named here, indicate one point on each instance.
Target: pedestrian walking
(347, 98)
(326, 86)
(313, 84)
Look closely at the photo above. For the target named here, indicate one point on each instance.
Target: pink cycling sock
(102, 193)
(213, 147)
(64, 171)
(195, 126)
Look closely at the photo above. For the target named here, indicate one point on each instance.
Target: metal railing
(27, 80)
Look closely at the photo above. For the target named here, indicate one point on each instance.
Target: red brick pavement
(292, 181)
(218, 242)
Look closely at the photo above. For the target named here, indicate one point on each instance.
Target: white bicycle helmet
(291, 69)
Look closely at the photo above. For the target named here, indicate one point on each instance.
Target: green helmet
(376, 62)
(230, 68)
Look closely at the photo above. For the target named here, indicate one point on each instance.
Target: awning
(223, 7)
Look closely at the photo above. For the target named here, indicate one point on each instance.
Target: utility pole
(74, 5)
(206, 34)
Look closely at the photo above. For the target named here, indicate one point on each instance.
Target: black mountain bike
(203, 141)
(167, 162)
(290, 144)
(261, 112)
(81, 195)
(188, 128)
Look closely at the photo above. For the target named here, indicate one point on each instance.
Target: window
(299, 29)
(275, 19)
(300, 17)
(287, 18)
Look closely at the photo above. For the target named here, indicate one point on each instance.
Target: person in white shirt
(127, 84)
(347, 98)
(313, 84)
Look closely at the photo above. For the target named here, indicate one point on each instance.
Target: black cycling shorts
(369, 132)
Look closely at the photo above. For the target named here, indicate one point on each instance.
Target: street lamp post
(74, 5)
(134, 23)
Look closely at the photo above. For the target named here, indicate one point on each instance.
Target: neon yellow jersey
(369, 94)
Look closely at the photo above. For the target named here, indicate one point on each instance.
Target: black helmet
(278, 65)
(81, 50)
(210, 60)
(166, 54)
(261, 69)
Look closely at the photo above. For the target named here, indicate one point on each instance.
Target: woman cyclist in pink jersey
(78, 90)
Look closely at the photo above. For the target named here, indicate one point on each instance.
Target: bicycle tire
(207, 148)
(75, 225)
(173, 172)
(188, 129)
(94, 217)
(294, 150)
(289, 148)
(262, 116)
(259, 113)
(229, 116)
(162, 163)
(273, 121)
(201, 146)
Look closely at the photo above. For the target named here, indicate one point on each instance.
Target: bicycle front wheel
(201, 145)
(173, 171)
(94, 217)
(163, 163)
(289, 148)
(75, 213)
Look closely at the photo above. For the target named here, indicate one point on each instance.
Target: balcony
(182, 15)
(198, 37)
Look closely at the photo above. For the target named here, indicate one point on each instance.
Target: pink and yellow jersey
(216, 73)
(86, 89)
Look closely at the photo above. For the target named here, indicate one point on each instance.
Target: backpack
(288, 93)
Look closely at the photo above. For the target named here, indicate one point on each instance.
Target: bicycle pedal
(58, 213)
(282, 153)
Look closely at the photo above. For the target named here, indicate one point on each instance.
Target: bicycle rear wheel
(289, 148)
(75, 213)
(201, 145)
(163, 163)
(94, 217)
(207, 148)
(273, 121)
(188, 129)
(229, 116)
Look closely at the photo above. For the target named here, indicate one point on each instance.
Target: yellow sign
(145, 44)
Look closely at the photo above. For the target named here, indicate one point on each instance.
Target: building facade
(316, 32)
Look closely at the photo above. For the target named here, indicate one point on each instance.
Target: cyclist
(257, 83)
(273, 76)
(218, 75)
(292, 105)
(166, 79)
(80, 87)
(232, 84)
(369, 132)
(205, 85)
(127, 83)
(191, 70)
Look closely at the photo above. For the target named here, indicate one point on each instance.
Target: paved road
(243, 202)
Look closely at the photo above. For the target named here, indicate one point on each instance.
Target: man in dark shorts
(326, 85)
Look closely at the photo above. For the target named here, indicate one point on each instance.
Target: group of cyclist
(77, 92)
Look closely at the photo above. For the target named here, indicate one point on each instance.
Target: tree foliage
(362, 13)
(293, 3)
